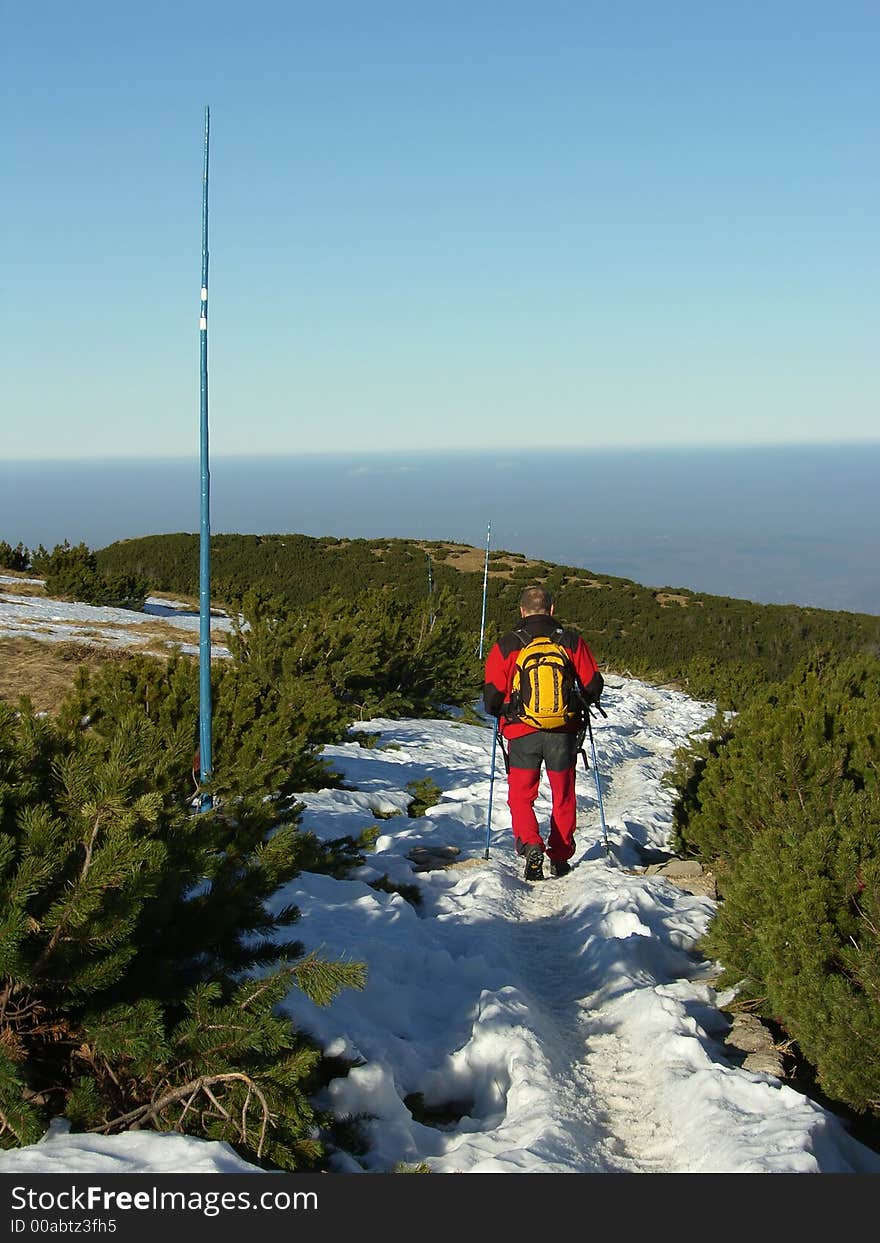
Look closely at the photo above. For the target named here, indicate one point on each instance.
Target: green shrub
(784, 801)
(17, 558)
(140, 965)
(72, 573)
(799, 741)
(800, 925)
(426, 793)
(369, 656)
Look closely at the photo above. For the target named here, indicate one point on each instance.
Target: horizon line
(461, 451)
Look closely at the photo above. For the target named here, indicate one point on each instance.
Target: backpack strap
(556, 636)
(513, 707)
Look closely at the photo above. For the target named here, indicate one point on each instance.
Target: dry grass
(22, 588)
(665, 598)
(45, 672)
(466, 559)
(150, 633)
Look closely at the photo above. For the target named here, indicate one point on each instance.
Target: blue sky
(461, 224)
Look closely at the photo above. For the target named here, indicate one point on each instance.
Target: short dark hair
(535, 600)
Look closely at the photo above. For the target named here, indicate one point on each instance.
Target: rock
(687, 874)
(750, 1036)
(765, 1063)
(676, 868)
(427, 858)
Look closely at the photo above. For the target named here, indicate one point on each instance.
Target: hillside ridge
(713, 646)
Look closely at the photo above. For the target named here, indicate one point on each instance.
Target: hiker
(536, 736)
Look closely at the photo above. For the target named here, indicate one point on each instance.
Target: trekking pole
(596, 775)
(491, 786)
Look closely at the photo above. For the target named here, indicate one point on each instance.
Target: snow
(569, 1026)
(54, 621)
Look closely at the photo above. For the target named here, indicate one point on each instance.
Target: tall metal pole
(485, 587)
(430, 594)
(205, 758)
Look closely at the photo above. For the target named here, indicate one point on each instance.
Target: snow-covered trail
(599, 1103)
(605, 1119)
(568, 1026)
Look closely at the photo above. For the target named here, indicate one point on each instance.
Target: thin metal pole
(485, 587)
(491, 788)
(598, 786)
(205, 757)
(430, 594)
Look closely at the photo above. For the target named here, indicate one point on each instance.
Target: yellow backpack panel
(544, 682)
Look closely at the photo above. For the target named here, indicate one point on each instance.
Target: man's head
(535, 600)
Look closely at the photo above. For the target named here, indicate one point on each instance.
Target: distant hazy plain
(778, 525)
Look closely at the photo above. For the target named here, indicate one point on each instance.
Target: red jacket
(501, 662)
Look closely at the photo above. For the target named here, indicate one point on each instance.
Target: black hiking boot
(534, 869)
(558, 867)
(520, 847)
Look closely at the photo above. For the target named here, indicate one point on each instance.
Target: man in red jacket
(528, 747)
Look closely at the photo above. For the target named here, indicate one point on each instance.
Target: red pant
(558, 752)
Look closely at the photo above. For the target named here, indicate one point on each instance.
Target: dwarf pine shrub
(800, 925)
(72, 573)
(785, 802)
(425, 793)
(17, 558)
(141, 962)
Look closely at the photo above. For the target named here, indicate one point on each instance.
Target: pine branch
(90, 846)
(62, 923)
(263, 986)
(6, 1125)
(151, 1112)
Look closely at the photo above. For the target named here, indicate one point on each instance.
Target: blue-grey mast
(205, 758)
